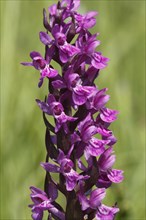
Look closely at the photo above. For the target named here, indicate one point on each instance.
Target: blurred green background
(122, 33)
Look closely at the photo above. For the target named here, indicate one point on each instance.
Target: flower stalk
(72, 101)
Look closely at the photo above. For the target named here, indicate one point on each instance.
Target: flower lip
(97, 57)
(105, 212)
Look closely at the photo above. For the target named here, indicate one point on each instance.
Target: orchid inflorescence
(82, 161)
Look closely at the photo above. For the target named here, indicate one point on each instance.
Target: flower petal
(63, 56)
(98, 61)
(95, 147)
(89, 23)
(27, 64)
(70, 184)
(50, 167)
(106, 160)
(58, 84)
(96, 197)
(38, 215)
(85, 123)
(91, 14)
(34, 54)
(48, 72)
(45, 38)
(108, 115)
(116, 176)
(71, 179)
(44, 107)
(83, 201)
(106, 213)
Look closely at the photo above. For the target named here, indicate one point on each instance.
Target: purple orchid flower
(73, 82)
(87, 43)
(71, 5)
(85, 21)
(80, 93)
(103, 212)
(107, 174)
(41, 64)
(88, 144)
(43, 203)
(66, 50)
(65, 167)
(107, 135)
(52, 107)
(97, 100)
(56, 11)
(94, 201)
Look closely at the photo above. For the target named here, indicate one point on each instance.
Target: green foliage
(121, 27)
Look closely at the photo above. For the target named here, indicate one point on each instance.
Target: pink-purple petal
(116, 176)
(58, 84)
(37, 215)
(91, 23)
(83, 201)
(51, 167)
(27, 64)
(108, 115)
(49, 72)
(34, 54)
(44, 106)
(91, 14)
(107, 159)
(63, 56)
(45, 38)
(106, 213)
(96, 197)
(71, 180)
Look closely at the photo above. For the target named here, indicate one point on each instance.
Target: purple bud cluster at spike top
(82, 162)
